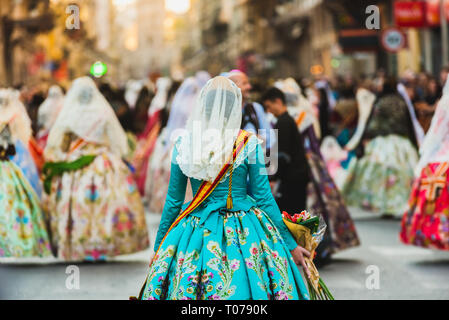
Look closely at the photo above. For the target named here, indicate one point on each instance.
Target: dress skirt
(96, 211)
(243, 258)
(326, 200)
(426, 222)
(382, 179)
(23, 231)
(24, 160)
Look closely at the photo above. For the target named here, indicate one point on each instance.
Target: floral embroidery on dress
(254, 262)
(225, 270)
(159, 266)
(183, 266)
(281, 265)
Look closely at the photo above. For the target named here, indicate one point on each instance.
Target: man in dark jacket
(292, 174)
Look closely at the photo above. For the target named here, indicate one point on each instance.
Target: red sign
(433, 12)
(410, 14)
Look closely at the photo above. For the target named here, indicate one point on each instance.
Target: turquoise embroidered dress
(215, 253)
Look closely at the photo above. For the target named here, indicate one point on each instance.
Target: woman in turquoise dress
(238, 249)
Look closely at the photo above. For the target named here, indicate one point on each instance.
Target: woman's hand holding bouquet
(308, 231)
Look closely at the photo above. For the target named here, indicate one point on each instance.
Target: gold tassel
(229, 204)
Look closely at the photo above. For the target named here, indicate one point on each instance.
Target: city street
(111, 110)
(405, 272)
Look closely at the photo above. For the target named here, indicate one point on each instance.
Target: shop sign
(433, 12)
(410, 14)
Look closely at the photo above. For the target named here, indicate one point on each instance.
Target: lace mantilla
(250, 147)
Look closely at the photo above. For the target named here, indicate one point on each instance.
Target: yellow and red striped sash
(207, 187)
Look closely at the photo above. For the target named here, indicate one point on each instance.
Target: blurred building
(41, 44)
(20, 23)
(142, 38)
(305, 37)
(276, 38)
(421, 21)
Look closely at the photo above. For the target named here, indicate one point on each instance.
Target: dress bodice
(239, 184)
(250, 188)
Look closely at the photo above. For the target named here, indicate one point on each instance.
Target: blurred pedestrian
(292, 172)
(147, 139)
(28, 156)
(158, 175)
(425, 223)
(254, 118)
(140, 111)
(91, 199)
(323, 195)
(381, 179)
(343, 119)
(48, 112)
(23, 230)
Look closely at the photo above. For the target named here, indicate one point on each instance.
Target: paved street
(405, 272)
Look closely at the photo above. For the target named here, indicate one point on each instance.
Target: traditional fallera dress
(94, 208)
(216, 254)
(227, 247)
(381, 179)
(426, 221)
(23, 231)
(27, 154)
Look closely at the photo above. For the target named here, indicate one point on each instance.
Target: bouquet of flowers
(308, 231)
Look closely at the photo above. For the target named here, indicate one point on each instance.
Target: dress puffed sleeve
(173, 201)
(260, 190)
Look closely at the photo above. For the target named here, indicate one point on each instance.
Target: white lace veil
(183, 104)
(160, 99)
(132, 90)
(14, 114)
(49, 109)
(435, 146)
(365, 101)
(419, 131)
(296, 103)
(207, 143)
(87, 114)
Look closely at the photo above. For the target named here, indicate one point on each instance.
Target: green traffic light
(98, 69)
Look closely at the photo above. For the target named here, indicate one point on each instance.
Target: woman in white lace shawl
(91, 198)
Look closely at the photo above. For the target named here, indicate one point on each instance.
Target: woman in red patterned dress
(426, 222)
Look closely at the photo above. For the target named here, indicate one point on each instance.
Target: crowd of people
(80, 166)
